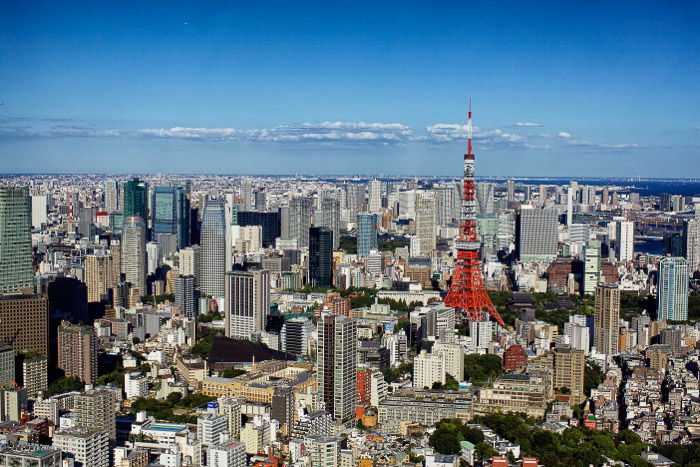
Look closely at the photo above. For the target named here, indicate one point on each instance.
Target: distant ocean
(643, 187)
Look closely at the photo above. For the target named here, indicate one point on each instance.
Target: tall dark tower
(467, 292)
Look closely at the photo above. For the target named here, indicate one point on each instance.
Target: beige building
(99, 276)
(24, 323)
(77, 351)
(607, 319)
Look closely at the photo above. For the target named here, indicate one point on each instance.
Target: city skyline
(558, 90)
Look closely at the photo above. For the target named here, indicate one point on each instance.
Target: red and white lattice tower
(467, 292)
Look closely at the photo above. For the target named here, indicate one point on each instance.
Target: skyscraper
(16, 270)
(320, 257)
(606, 328)
(268, 221)
(374, 189)
(111, 195)
(135, 198)
(355, 196)
(40, 209)
(673, 289)
(170, 213)
(337, 365)
(213, 260)
(691, 244)
(300, 220)
(366, 233)
(99, 276)
(537, 235)
(591, 272)
(190, 260)
(624, 241)
(510, 190)
(426, 228)
(329, 217)
(25, 325)
(247, 302)
(133, 246)
(484, 198)
(185, 295)
(247, 194)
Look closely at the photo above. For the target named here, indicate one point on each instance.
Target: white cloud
(303, 132)
(564, 134)
(528, 124)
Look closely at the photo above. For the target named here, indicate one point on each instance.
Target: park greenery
(158, 299)
(64, 384)
(575, 446)
(481, 368)
(165, 409)
(205, 341)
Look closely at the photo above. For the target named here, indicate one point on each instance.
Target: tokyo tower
(467, 292)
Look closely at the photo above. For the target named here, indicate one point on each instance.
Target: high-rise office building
(295, 336)
(510, 188)
(691, 244)
(99, 278)
(446, 213)
(185, 295)
(86, 222)
(355, 196)
(624, 241)
(329, 217)
(269, 223)
(77, 351)
(190, 260)
(170, 213)
(591, 268)
(374, 190)
(247, 302)
(135, 199)
(537, 235)
(247, 194)
(300, 220)
(213, 260)
(606, 326)
(673, 289)
(111, 195)
(40, 211)
(426, 228)
(320, 257)
(366, 233)
(133, 245)
(337, 365)
(484, 198)
(16, 270)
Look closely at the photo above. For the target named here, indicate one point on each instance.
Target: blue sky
(559, 88)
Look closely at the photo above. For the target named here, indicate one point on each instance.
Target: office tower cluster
(298, 316)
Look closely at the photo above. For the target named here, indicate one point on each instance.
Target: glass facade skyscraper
(366, 233)
(213, 257)
(16, 270)
(673, 289)
(135, 196)
(170, 213)
(320, 257)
